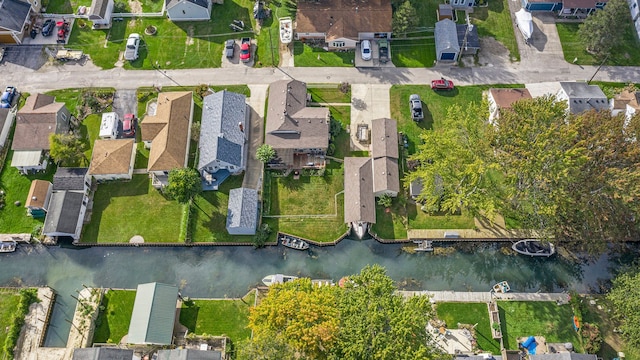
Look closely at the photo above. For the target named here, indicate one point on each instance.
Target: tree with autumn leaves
(364, 320)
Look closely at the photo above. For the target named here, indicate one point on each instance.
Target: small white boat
(8, 246)
(277, 279)
(524, 21)
(501, 287)
(360, 228)
(423, 245)
(286, 30)
(534, 247)
(293, 242)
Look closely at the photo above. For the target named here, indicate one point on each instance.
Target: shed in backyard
(242, 211)
(447, 46)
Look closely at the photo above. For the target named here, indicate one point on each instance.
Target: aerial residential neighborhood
(319, 179)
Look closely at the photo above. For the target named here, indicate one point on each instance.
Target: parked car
(245, 50)
(47, 28)
(128, 125)
(442, 84)
(383, 50)
(229, 48)
(133, 45)
(7, 97)
(365, 50)
(415, 103)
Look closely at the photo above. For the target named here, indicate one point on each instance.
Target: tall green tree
(404, 18)
(602, 30)
(184, 184)
(456, 164)
(378, 323)
(625, 296)
(67, 149)
(265, 153)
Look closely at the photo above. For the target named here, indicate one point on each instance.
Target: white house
(503, 99)
(189, 10)
(626, 102)
(635, 14)
(581, 97)
(113, 159)
(100, 13)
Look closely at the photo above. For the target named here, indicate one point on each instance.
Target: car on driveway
(245, 50)
(48, 27)
(229, 48)
(365, 50)
(128, 125)
(442, 84)
(133, 45)
(415, 103)
(7, 97)
(383, 50)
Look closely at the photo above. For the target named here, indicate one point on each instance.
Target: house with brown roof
(341, 24)
(40, 117)
(167, 134)
(384, 152)
(359, 202)
(38, 199)
(299, 134)
(503, 99)
(627, 102)
(581, 8)
(113, 159)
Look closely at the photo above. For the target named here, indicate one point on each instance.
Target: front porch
(308, 161)
(159, 181)
(211, 181)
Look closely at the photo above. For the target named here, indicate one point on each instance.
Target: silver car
(133, 45)
(365, 50)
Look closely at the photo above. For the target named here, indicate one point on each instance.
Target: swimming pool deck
(486, 296)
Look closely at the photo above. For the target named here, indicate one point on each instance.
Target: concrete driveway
(368, 102)
(125, 102)
(545, 48)
(253, 173)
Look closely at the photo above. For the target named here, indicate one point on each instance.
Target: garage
(447, 46)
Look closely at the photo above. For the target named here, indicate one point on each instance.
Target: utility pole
(598, 69)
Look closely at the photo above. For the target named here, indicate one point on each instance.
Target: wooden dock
(486, 296)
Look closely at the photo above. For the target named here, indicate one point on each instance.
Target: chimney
(241, 126)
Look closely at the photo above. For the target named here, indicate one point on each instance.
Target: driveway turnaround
(368, 102)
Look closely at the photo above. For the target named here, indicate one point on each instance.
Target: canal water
(230, 271)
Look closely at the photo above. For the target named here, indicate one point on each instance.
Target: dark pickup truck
(383, 50)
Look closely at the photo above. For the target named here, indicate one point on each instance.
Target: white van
(109, 126)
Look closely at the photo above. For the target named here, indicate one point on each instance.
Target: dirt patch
(190, 31)
(492, 53)
(135, 6)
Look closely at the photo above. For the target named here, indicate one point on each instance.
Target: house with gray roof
(102, 353)
(223, 137)
(386, 176)
(299, 134)
(581, 97)
(468, 39)
(154, 313)
(189, 354)
(67, 178)
(242, 211)
(189, 10)
(100, 13)
(7, 116)
(447, 46)
(68, 203)
(359, 202)
(14, 21)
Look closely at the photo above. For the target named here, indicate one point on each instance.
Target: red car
(245, 50)
(128, 125)
(442, 84)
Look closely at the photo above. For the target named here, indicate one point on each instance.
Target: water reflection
(231, 271)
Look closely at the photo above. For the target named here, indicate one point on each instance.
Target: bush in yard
(404, 19)
(261, 236)
(602, 31)
(265, 153)
(591, 337)
(385, 200)
(184, 184)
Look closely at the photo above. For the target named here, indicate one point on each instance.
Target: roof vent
(34, 198)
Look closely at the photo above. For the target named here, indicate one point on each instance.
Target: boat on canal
(360, 228)
(277, 279)
(293, 242)
(286, 30)
(501, 287)
(534, 247)
(8, 246)
(423, 245)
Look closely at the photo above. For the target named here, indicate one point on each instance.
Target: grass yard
(9, 300)
(470, 313)
(495, 21)
(342, 142)
(328, 93)
(390, 225)
(408, 52)
(435, 106)
(418, 219)
(219, 317)
(14, 219)
(209, 215)
(307, 56)
(573, 47)
(64, 6)
(520, 319)
(90, 130)
(113, 322)
(124, 209)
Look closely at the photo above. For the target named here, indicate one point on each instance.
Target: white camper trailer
(109, 126)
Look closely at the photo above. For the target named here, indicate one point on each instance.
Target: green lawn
(209, 214)
(124, 209)
(219, 317)
(418, 219)
(520, 319)
(328, 93)
(390, 225)
(89, 130)
(307, 56)
(573, 47)
(14, 219)
(342, 142)
(64, 6)
(470, 313)
(408, 52)
(9, 300)
(113, 322)
(495, 21)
